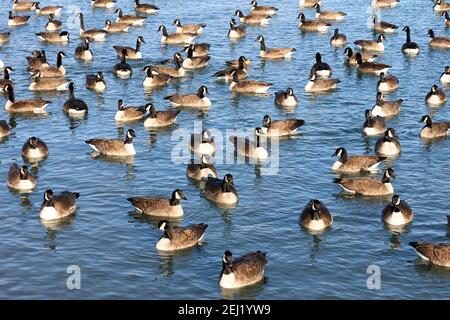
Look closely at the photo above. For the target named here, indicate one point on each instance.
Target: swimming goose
(19, 178)
(279, 128)
(445, 76)
(321, 85)
(397, 213)
(103, 3)
(123, 69)
(83, 52)
(34, 149)
(191, 28)
(440, 5)
(368, 186)
(91, 34)
(96, 82)
(128, 114)
(433, 129)
(383, 27)
(316, 216)
(179, 238)
(158, 119)
(273, 53)
(320, 68)
(116, 27)
(155, 80)
(113, 147)
(435, 253)
(253, 18)
(58, 206)
(145, 7)
(54, 72)
(159, 206)
(249, 149)
(388, 145)
(446, 18)
(436, 96)
(338, 39)
(74, 107)
(175, 38)
(48, 10)
(192, 62)
(37, 60)
(235, 63)
(53, 24)
(248, 86)
(132, 53)
(308, 3)
(371, 45)
(373, 125)
(47, 84)
(409, 47)
(286, 98)
(23, 106)
(371, 67)
(199, 49)
(236, 32)
(438, 42)
(198, 100)
(176, 72)
(4, 37)
(351, 57)
(385, 3)
(17, 20)
(329, 15)
(312, 25)
(221, 191)
(135, 21)
(5, 129)
(202, 143)
(6, 79)
(269, 10)
(387, 83)
(54, 37)
(355, 164)
(24, 5)
(385, 108)
(202, 170)
(243, 271)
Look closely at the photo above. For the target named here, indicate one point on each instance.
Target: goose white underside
(435, 99)
(204, 148)
(48, 213)
(52, 27)
(396, 219)
(316, 225)
(445, 78)
(388, 149)
(13, 23)
(124, 74)
(385, 87)
(372, 131)
(87, 55)
(228, 281)
(23, 185)
(411, 52)
(235, 35)
(76, 113)
(324, 73)
(377, 111)
(99, 87)
(290, 101)
(227, 198)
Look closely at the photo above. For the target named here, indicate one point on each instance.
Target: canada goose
(48, 10)
(368, 186)
(321, 85)
(127, 114)
(19, 178)
(273, 53)
(52, 24)
(435, 253)
(221, 191)
(103, 3)
(54, 37)
(253, 18)
(445, 76)
(308, 3)
(37, 60)
(371, 67)
(385, 3)
(354, 164)
(113, 147)
(446, 18)
(116, 27)
(145, 7)
(123, 70)
(198, 49)
(433, 129)
(96, 82)
(198, 99)
(17, 20)
(202, 143)
(320, 68)
(158, 119)
(175, 38)
(338, 39)
(249, 149)
(374, 125)
(6, 79)
(202, 170)
(235, 63)
(269, 10)
(279, 128)
(5, 129)
(24, 5)
(397, 213)
(286, 98)
(132, 53)
(371, 45)
(159, 206)
(329, 15)
(83, 52)
(54, 72)
(240, 71)
(312, 25)
(387, 83)
(438, 42)
(382, 26)
(192, 62)
(73, 106)
(34, 149)
(388, 145)
(436, 96)
(243, 271)
(351, 57)
(135, 21)
(47, 84)
(4, 37)
(23, 106)
(409, 47)
(58, 206)
(236, 32)
(155, 80)
(385, 108)
(248, 86)
(176, 72)
(191, 28)
(439, 5)
(316, 216)
(91, 34)
(179, 238)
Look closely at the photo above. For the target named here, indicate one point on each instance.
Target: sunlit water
(115, 247)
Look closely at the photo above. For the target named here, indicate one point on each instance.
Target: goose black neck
(122, 57)
(318, 8)
(262, 45)
(408, 36)
(11, 94)
(59, 61)
(241, 64)
(128, 139)
(343, 157)
(226, 186)
(81, 22)
(257, 141)
(138, 45)
(164, 31)
(200, 92)
(6, 74)
(226, 268)
(174, 201)
(168, 232)
(71, 93)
